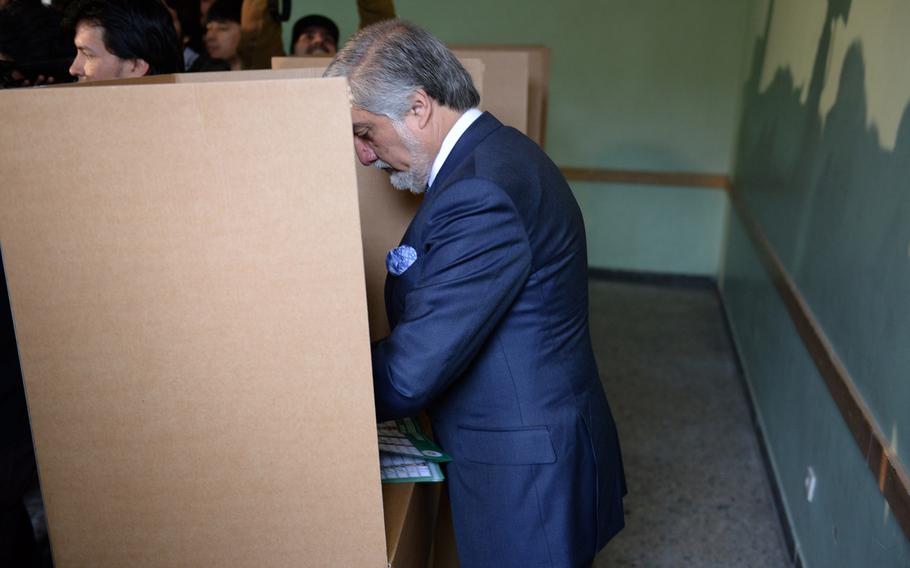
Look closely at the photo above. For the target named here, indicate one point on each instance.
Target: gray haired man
(487, 300)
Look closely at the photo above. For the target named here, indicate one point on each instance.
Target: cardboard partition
(204, 77)
(385, 211)
(474, 66)
(411, 511)
(502, 77)
(186, 280)
(507, 78)
(538, 81)
(445, 552)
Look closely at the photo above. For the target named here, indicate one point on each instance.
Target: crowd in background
(59, 41)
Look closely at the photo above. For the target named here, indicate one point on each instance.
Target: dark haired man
(314, 35)
(118, 39)
(487, 298)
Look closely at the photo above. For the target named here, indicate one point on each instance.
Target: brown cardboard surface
(410, 510)
(384, 211)
(186, 279)
(291, 62)
(506, 75)
(538, 86)
(208, 77)
(474, 66)
(445, 552)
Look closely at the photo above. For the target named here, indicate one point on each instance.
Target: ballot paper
(395, 468)
(407, 455)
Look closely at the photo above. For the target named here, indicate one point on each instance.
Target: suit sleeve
(476, 259)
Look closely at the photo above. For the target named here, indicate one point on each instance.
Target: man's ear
(422, 105)
(136, 67)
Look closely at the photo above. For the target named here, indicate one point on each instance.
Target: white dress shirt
(462, 124)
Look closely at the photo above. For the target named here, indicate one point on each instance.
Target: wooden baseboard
(641, 177)
(890, 475)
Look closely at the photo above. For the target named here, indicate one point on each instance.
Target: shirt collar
(462, 124)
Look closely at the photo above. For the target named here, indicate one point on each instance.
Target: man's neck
(444, 119)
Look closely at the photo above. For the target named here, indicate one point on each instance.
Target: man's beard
(414, 179)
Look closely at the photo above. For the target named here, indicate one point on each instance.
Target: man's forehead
(361, 117)
(313, 28)
(87, 31)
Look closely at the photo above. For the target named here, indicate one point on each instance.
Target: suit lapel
(480, 129)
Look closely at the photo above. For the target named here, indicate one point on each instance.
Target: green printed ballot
(395, 468)
(406, 455)
(404, 437)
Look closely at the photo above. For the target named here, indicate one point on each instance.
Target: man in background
(487, 299)
(314, 35)
(118, 39)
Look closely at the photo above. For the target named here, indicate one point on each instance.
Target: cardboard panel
(538, 86)
(186, 280)
(207, 77)
(411, 510)
(474, 67)
(506, 90)
(385, 211)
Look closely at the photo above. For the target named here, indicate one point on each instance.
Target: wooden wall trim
(643, 177)
(890, 475)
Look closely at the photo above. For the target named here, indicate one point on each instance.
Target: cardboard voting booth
(385, 211)
(474, 66)
(513, 81)
(187, 284)
(537, 60)
(187, 277)
(506, 92)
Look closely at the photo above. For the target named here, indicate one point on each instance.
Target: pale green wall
(646, 228)
(823, 161)
(848, 524)
(634, 84)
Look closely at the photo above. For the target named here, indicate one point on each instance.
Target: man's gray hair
(387, 62)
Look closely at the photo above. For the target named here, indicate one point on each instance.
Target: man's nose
(76, 66)
(365, 154)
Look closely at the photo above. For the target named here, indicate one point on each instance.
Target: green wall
(823, 161)
(634, 85)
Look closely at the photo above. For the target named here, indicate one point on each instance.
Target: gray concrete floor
(698, 493)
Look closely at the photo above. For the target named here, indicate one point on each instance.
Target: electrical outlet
(810, 483)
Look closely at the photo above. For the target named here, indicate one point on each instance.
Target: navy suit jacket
(490, 335)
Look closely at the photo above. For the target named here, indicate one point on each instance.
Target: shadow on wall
(836, 206)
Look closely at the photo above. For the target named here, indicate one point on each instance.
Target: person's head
(222, 29)
(406, 90)
(123, 38)
(314, 35)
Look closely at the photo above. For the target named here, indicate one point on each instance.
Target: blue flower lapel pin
(400, 259)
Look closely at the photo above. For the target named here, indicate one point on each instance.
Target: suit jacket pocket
(507, 446)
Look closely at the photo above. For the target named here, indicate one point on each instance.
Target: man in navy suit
(488, 304)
